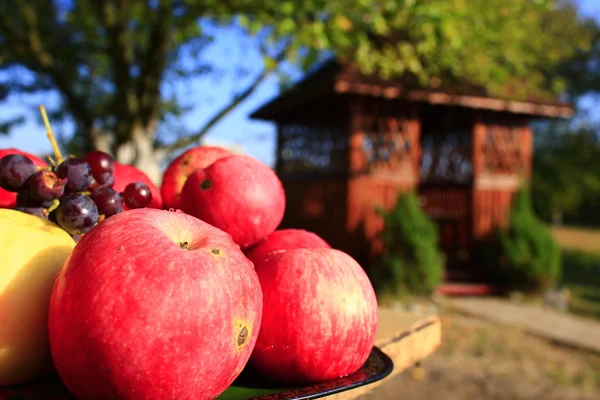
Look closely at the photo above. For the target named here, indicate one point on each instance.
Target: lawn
(579, 239)
(581, 268)
(581, 275)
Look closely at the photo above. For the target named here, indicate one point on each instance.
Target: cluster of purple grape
(75, 194)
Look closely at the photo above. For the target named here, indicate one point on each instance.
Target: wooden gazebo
(348, 142)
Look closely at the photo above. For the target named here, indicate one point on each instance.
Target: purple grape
(108, 201)
(102, 165)
(137, 195)
(76, 213)
(24, 199)
(95, 185)
(15, 169)
(78, 174)
(45, 185)
(37, 211)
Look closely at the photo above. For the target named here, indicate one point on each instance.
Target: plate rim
(292, 394)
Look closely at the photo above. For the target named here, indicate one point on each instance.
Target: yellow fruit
(32, 250)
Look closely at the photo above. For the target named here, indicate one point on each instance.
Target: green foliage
(530, 258)
(587, 215)
(510, 47)
(116, 63)
(581, 268)
(580, 71)
(412, 263)
(107, 59)
(566, 169)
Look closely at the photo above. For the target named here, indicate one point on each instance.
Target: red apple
(9, 199)
(180, 168)
(125, 174)
(153, 304)
(285, 239)
(238, 194)
(319, 316)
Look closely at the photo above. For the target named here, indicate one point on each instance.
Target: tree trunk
(101, 140)
(140, 152)
(557, 216)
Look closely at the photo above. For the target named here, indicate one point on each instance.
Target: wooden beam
(412, 125)
(527, 150)
(477, 102)
(497, 182)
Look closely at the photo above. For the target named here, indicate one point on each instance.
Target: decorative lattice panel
(386, 146)
(502, 150)
(446, 157)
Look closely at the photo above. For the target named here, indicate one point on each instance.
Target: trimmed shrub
(412, 263)
(530, 258)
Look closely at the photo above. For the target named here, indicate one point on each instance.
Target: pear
(32, 250)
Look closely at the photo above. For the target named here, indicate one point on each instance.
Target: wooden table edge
(406, 348)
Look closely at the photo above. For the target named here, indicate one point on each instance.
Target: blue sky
(208, 96)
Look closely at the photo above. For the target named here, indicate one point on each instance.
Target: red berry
(137, 195)
(102, 165)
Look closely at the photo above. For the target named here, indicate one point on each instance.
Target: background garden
(146, 79)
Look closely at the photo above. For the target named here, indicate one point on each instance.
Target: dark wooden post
(279, 147)
(413, 130)
(479, 223)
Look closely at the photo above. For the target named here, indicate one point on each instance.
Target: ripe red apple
(180, 168)
(9, 199)
(125, 174)
(319, 316)
(238, 194)
(285, 239)
(153, 304)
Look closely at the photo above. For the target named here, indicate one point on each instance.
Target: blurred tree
(566, 169)
(113, 61)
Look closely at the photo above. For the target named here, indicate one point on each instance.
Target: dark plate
(251, 386)
(247, 386)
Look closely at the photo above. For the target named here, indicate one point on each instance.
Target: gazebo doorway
(446, 179)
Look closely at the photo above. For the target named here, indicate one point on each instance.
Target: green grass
(581, 267)
(581, 275)
(581, 239)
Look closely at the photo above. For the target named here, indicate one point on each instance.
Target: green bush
(580, 268)
(530, 258)
(412, 263)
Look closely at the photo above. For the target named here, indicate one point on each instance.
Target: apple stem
(57, 154)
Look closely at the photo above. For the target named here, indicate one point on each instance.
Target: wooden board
(406, 338)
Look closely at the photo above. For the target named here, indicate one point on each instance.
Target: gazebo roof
(333, 78)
